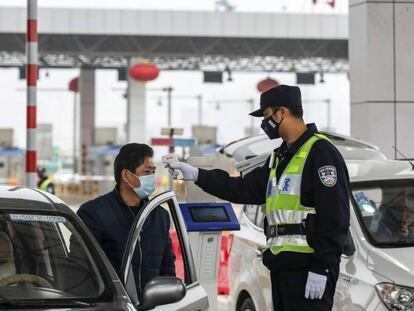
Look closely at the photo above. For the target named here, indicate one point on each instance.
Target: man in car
(408, 217)
(393, 221)
(110, 217)
(304, 185)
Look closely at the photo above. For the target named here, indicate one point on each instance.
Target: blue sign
(189, 142)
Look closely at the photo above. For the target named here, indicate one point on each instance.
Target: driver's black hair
(131, 156)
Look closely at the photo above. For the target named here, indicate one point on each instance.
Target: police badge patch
(327, 175)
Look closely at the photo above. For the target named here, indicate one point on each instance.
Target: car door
(355, 289)
(262, 272)
(196, 298)
(247, 274)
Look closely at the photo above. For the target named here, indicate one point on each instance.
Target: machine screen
(209, 214)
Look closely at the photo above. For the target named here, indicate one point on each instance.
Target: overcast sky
(341, 6)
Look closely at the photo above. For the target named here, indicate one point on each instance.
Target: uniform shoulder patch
(327, 175)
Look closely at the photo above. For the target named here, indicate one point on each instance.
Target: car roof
(359, 170)
(351, 148)
(19, 198)
(376, 170)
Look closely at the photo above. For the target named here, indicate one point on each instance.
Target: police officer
(304, 185)
(45, 183)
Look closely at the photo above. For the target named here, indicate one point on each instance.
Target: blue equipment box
(201, 217)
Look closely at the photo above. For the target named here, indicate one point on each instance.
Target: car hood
(395, 264)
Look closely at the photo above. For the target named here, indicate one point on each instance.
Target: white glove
(315, 285)
(189, 172)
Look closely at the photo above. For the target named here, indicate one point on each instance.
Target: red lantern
(74, 85)
(266, 85)
(144, 72)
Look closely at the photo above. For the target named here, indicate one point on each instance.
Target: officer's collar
(293, 148)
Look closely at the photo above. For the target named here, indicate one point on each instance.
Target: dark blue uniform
(110, 221)
(289, 270)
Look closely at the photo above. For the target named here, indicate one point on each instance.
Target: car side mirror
(162, 290)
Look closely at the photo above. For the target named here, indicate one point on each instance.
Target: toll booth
(101, 163)
(12, 166)
(205, 223)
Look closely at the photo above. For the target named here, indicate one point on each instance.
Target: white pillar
(136, 118)
(87, 114)
(381, 50)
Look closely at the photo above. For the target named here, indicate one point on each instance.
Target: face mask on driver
(147, 185)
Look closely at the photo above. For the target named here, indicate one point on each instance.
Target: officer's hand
(315, 286)
(189, 172)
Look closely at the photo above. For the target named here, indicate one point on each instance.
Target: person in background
(45, 183)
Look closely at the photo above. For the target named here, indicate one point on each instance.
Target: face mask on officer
(146, 185)
(271, 127)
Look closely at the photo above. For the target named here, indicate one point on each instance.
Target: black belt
(273, 231)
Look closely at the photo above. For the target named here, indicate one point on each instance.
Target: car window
(47, 257)
(386, 211)
(261, 213)
(176, 248)
(347, 142)
(256, 214)
(251, 211)
(160, 250)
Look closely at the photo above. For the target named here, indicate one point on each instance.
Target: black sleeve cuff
(322, 267)
(201, 179)
(317, 268)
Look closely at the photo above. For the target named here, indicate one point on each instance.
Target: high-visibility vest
(283, 204)
(45, 184)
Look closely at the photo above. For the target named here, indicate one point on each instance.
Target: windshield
(386, 211)
(43, 257)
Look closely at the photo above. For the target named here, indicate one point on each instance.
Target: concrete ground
(223, 304)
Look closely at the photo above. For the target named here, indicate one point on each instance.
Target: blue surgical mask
(147, 186)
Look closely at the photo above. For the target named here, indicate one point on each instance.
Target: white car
(260, 145)
(377, 268)
(50, 261)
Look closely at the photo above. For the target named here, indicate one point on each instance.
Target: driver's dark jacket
(110, 221)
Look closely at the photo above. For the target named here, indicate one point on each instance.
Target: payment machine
(205, 222)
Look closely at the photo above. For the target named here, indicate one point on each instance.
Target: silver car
(377, 268)
(49, 260)
(260, 145)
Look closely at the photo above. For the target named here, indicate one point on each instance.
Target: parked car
(377, 268)
(49, 260)
(256, 149)
(250, 147)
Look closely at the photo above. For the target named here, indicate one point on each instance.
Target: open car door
(163, 292)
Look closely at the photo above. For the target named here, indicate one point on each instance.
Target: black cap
(282, 95)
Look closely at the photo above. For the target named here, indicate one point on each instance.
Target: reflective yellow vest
(283, 205)
(45, 184)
